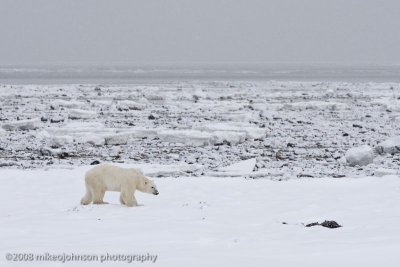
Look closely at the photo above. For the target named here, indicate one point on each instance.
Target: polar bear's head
(148, 186)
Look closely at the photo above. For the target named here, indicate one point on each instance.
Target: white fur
(107, 177)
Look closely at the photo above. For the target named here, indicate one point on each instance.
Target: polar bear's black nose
(155, 192)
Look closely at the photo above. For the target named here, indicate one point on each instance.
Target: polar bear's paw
(99, 202)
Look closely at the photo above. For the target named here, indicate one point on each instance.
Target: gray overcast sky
(149, 31)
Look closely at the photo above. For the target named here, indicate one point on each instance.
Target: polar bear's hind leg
(87, 198)
(98, 197)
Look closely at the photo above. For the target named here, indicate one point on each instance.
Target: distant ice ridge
(97, 134)
(313, 105)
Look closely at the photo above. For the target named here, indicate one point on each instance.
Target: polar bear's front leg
(128, 197)
(130, 201)
(121, 199)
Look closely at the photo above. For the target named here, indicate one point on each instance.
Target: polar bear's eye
(152, 187)
(145, 182)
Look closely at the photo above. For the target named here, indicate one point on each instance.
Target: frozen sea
(146, 73)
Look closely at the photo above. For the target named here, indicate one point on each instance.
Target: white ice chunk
(242, 168)
(22, 125)
(117, 139)
(232, 138)
(250, 131)
(188, 137)
(59, 141)
(81, 114)
(67, 103)
(92, 139)
(144, 132)
(155, 97)
(128, 104)
(360, 156)
(391, 146)
(171, 170)
(101, 102)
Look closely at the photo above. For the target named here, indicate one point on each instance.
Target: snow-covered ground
(205, 221)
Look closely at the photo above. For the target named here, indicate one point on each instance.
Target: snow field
(200, 221)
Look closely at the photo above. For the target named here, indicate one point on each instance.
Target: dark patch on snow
(96, 162)
(327, 224)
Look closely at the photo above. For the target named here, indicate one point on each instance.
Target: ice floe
(22, 125)
(360, 156)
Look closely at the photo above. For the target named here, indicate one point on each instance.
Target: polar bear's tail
(87, 198)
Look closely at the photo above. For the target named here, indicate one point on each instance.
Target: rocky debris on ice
(271, 174)
(75, 114)
(155, 97)
(383, 172)
(242, 168)
(48, 152)
(391, 146)
(57, 119)
(308, 138)
(360, 156)
(7, 164)
(313, 105)
(389, 104)
(22, 125)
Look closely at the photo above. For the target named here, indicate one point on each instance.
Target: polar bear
(107, 177)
